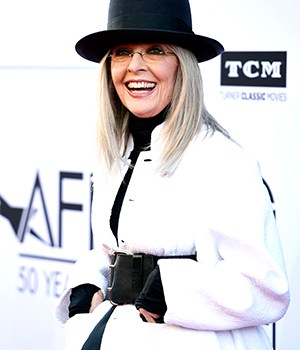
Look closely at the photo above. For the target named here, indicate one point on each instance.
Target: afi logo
(253, 69)
(33, 220)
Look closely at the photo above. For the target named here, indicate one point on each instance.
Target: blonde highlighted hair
(185, 118)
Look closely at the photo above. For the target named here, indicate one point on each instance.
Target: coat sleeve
(91, 268)
(245, 282)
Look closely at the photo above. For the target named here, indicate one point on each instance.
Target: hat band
(149, 22)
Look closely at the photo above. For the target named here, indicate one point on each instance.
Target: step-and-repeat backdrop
(47, 116)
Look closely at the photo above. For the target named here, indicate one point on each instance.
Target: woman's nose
(136, 62)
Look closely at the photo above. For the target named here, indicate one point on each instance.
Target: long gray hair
(185, 118)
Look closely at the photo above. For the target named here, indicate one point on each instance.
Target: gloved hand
(81, 299)
(152, 297)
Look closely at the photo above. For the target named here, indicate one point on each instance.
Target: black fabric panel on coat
(140, 129)
(94, 340)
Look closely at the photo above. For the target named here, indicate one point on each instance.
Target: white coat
(214, 204)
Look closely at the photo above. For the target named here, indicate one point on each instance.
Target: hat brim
(93, 47)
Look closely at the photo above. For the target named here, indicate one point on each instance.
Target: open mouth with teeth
(140, 87)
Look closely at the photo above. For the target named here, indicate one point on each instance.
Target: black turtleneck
(141, 130)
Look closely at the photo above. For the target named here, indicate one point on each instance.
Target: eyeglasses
(152, 55)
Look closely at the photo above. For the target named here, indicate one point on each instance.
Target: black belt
(129, 273)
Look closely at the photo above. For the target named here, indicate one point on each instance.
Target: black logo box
(254, 68)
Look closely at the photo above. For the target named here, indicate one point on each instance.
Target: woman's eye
(156, 51)
(122, 52)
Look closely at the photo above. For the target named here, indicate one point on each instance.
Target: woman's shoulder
(223, 151)
(217, 144)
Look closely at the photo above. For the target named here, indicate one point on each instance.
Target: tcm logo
(253, 69)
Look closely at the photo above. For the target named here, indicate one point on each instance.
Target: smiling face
(144, 84)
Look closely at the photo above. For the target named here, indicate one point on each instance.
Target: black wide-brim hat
(148, 21)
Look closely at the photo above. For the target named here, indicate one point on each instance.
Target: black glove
(81, 298)
(152, 296)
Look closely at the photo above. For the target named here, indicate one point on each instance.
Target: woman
(170, 186)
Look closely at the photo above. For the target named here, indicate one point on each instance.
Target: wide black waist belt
(129, 272)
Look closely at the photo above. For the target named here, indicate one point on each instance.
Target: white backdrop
(47, 114)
